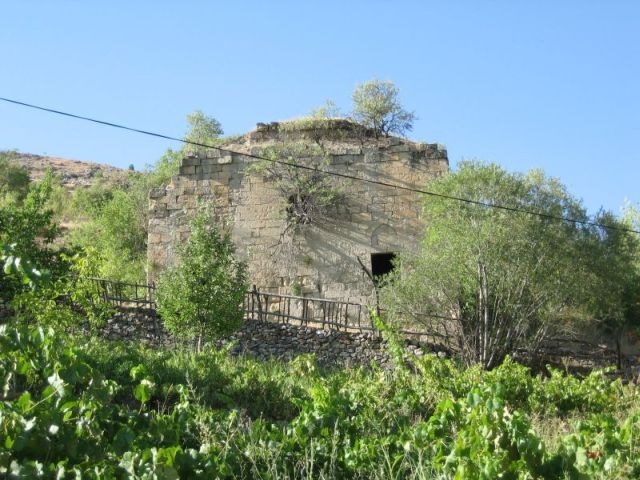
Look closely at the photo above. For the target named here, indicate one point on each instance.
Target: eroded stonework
(319, 259)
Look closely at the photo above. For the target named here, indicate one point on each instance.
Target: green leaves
(63, 414)
(21, 267)
(376, 106)
(505, 278)
(144, 390)
(26, 231)
(202, 296)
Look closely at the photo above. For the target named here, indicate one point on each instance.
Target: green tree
(203, 129)
(328, 110)
(202, 296)
(114, 221)
(376, 106)
(165, 168)
(616, 275)
(14, 179)
(492, 281)
(28, 228)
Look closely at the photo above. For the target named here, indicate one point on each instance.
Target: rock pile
(266, 340)
(263, 340)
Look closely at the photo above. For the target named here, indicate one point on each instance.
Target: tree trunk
(483, 312)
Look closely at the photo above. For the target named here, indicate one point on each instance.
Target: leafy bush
(202, 296)
(27, 232)
(101, 410)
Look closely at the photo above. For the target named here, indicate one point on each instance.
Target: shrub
(202, 296)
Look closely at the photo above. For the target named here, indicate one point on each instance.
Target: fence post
(256, 294)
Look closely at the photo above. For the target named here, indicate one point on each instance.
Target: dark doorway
(381, 264)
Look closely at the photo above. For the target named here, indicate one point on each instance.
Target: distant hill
(72, 173)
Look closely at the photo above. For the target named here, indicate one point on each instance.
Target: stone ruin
(320, 256)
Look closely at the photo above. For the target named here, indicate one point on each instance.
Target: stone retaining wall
(268, 340)
(264, 340)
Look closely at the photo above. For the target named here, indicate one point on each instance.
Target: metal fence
(122, 294)
(315, 312)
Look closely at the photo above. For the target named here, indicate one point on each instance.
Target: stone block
(211, 153)
(187, 170)
(157, 192)
(190, 161)
(160, 212)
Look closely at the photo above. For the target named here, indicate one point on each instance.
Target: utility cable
(328, 172)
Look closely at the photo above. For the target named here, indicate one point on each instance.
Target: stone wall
(321, 260)
(264, 340)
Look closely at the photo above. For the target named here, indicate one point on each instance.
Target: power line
(327, 172)
(101, 122)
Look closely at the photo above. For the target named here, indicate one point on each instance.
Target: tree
(14, 179)
(492, 281)
(616, 275)
(328, 110)
(29, 229)
(114, 221)
(114, 215)
(202, 296)
(376, 106)
(203, 129)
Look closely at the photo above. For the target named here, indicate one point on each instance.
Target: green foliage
(616, 273)
(14, 266)
(58, 406)
(202, 296)
(27, 232)
(376, 106)
(29, 225)
(94, 409)
(203, 129)
(497, 280)
(165, 168)
(395, 343)
(14, 179)
(65, 302)
(112, 219)
(326, 111)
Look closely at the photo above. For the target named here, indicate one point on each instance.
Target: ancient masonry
(321, 258)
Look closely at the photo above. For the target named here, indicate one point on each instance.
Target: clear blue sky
(549, 84)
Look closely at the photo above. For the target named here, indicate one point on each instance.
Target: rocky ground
(73, 173)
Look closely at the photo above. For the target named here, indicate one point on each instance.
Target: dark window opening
(381, 264)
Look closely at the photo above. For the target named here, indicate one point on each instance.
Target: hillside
(72, 173)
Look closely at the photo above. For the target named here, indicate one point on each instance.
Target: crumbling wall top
(310, 129)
